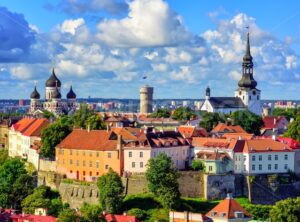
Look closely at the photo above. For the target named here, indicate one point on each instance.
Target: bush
(139, 213)
(198, 165)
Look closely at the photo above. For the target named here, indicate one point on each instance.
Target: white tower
(247, 90)
(146, 99)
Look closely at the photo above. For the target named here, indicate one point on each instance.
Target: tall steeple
(247, 80)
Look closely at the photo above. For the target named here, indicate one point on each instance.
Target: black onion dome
(56, 94)
(35, 94)
(71, 94)
(207, 91)
(53, 81)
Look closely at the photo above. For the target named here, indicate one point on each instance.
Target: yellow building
(86, 155)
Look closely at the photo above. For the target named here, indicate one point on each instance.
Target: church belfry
(247, 90)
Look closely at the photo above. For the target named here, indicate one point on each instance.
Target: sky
(105, 48)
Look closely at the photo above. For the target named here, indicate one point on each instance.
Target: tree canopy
(161, 113)
(288, 113)
(286, 210)
(249, 121)
(210, 120)
(183, 113)
(294, 129)
(198, 165)
(111, 191)
(162, 176)
(15, 184)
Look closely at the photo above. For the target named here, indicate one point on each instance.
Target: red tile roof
(244, 136)
(294, 144)
(89, 140)
(265, 145)
(214, 155)
(271, 122)
(119, 218)
(31, 126)
(192, 131)
(224, 128)
(31, 218)
(227, 209)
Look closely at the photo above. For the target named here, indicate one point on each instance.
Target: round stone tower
(146, 99)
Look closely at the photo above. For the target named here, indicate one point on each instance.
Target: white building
(263, 156)
(246, 97)
(150, 144)
(23, 138)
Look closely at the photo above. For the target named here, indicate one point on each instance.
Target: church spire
(247, 80)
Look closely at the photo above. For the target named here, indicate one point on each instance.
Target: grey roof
(226, 102)
(71, 94)
(35, 94)
(53, 81)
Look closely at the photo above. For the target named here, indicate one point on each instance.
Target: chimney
(275, 120)
(89, 127)
(176, 130)
(274, 137)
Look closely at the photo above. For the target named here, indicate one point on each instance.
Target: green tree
(21, 188)
(249, 121)
(183, 113)
(288, 113)
(111, 191)
(286, 210)
(161, 113)
(12, 174)
(198, 165)
(3, 156)
(91, 213)
(69, 215)
(138, 213)
(294, 129)
(81, 115)
(53, 135)
(94, 122)
(43, 197)
(162, 176)
(48, 114)
(210, 120)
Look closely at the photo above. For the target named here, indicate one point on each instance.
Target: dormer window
(213, 214)
(222, 214)
(238, 214)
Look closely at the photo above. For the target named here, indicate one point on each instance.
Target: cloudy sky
(104, 48)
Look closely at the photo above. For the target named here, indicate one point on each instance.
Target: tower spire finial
(248, 53)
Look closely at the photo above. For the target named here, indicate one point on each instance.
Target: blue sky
(104, 47)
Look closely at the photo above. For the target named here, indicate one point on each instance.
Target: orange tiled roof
(271, 122)
(265, 145)
(127, 133)
(244, 136)
(89, 140)
(222, 127)
(31, 126)
(192, 131)
(226, 209)
(212, 155)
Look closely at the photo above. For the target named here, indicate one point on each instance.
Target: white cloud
(149, 23)
(159, 67)
(71, 25)
(21, 72)
(235, 75)
(69, 67)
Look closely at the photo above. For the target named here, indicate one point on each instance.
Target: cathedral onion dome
(35, 94)
(53, 80)
(71, 94)
(56, 94)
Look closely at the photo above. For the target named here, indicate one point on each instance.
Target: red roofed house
(263, 156)
(23, 137)
(119, 218)
(187, 217)
(86, 155)
(229, 210)
(222, 128)
(273, 125)
(40, 215)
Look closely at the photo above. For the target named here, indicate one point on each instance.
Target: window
(269, 157)
(285, 166)
(245, 158)
(91, 173)
(141, 164)
(83, 153)
(210, 168)
(91, 163)
(260, 167)
(276, 166)
(260, 157)
(97, 164)
(253, 167)
(77, 152)
(253, 158)
(70, 152)
(106, 167)
(109, 155)
(133, 164)
(71, 161)
(61, 151)
(276, 157)
(97, 154)
(257, 97)
(77, 162)
(91, 153)
(285, 156)
(249, 97)
(141, 154)
(130, 154)
(83, 163)
(269, 166)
